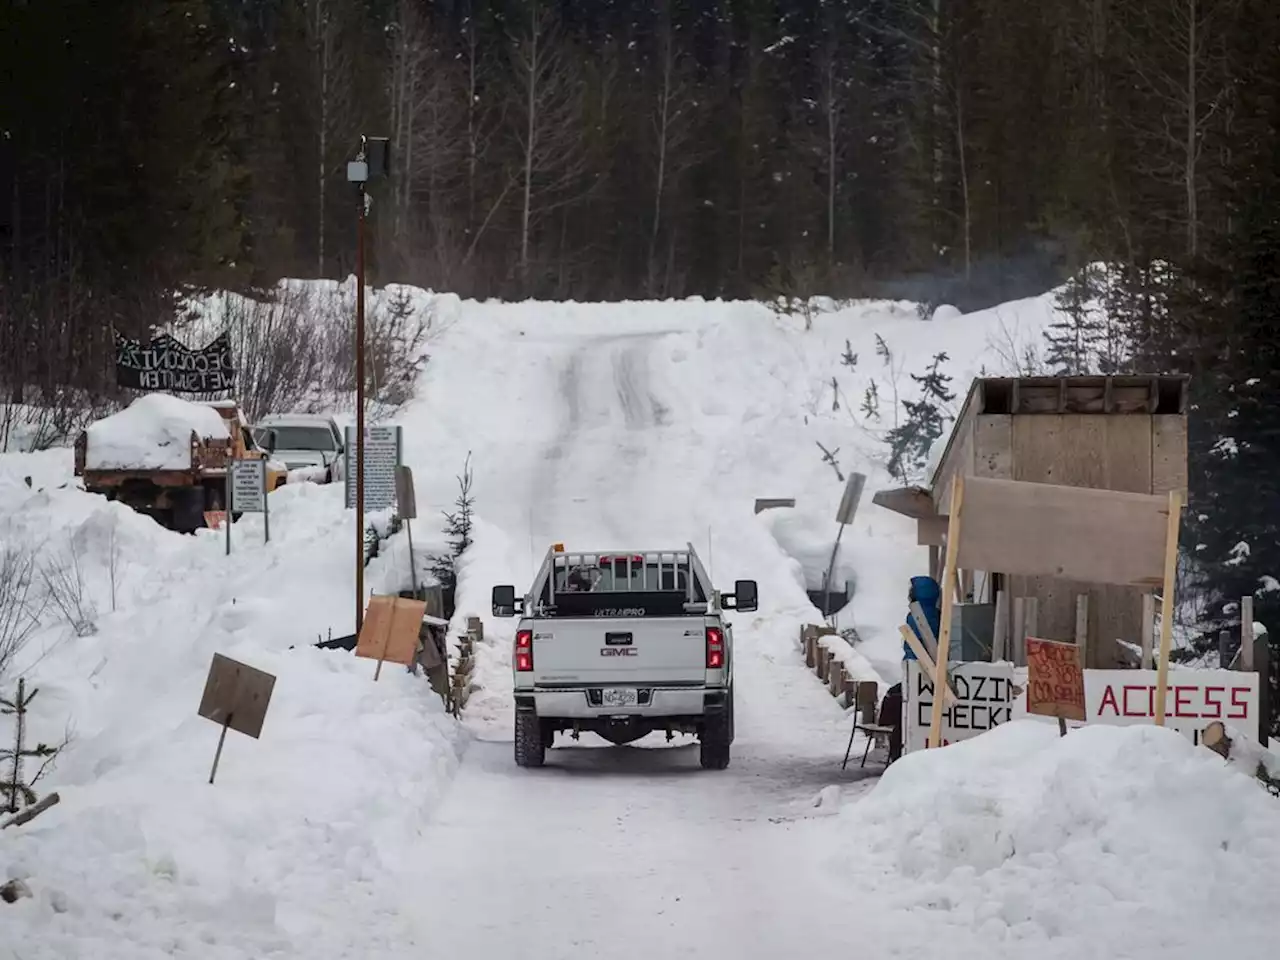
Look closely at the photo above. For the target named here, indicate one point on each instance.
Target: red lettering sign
(1055, 680)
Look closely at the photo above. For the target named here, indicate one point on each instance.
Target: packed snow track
(635, 851)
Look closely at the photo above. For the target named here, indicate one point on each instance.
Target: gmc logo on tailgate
(617, 651)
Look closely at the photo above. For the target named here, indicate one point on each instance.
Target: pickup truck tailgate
(648, 649)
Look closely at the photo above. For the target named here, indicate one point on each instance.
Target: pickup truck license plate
(618, 697)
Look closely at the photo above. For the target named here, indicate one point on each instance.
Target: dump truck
(167, 457)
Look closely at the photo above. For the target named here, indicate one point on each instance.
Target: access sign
(989, 694)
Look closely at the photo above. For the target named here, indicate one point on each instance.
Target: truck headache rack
(619, 573)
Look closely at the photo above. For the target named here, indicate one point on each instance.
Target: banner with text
(166, 364)
(988, 694)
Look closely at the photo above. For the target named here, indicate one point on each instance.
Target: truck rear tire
(530, 747)
(717, 736)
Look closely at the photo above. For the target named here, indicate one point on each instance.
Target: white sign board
(382, 453)
(988, 694)
(249, 486)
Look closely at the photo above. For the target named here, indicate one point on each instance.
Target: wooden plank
(1170, 603)
(1168, 453)
(773, 503)
(1127, 443)
(1018, 630)
(914, 502)
(931, 531)
(948, 602)
(926, 661)
(1082, 626)
(1000, 637)
(1148, 629)
(993, 446)
(960, 437)
(1246, 633)
(1074, 533)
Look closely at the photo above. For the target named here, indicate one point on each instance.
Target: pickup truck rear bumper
(583, 703)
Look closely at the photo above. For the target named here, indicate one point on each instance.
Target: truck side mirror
(744, 596)
(270, 444)
(504, 601)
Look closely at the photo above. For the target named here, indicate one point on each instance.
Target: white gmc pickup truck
(622, 644)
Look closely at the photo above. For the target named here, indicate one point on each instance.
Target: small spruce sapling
(910, 441)
(457, 526)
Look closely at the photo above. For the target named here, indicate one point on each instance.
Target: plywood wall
(1132, 452)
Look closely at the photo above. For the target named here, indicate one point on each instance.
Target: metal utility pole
(360, 406)
(372, 162)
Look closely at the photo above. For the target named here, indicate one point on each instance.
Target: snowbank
(296, 850)
(152, 433)
(1108, 842)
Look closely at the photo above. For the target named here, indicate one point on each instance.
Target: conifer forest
(943, 151)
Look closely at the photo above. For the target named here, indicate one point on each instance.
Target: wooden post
(999, 636)
(1167, 602)
(1032, 626)
(944, 640)
(1246, 633)
(1017, 638)
(413, 567)
(1082, 628)
(222, 738)
(1148, 629)
(1262, 663)
(925, 659)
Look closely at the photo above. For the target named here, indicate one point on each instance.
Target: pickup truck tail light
(715, 648)
(524, 651)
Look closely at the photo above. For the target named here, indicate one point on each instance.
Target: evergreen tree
(911, 441)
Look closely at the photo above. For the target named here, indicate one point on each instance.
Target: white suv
(622, 644)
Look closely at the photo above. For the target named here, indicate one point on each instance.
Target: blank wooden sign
(236, 695)
(390, 629)
(1077, 533)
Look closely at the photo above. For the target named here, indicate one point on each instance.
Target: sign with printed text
(249, 486)
(988, 694)
(1055, 680)
(382, 453)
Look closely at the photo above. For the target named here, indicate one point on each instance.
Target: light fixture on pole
(372, 163)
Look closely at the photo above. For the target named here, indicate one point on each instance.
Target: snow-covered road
(636, 851)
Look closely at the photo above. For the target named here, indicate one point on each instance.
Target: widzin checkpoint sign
(166, 364)
(989, 694)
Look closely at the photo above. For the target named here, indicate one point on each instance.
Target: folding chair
(877, 733)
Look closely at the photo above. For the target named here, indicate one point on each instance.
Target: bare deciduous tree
(1177, 52)
(332, 78)
(548, 120)
(673, 131)
(19, 607)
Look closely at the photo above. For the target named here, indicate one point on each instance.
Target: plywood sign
(1076, 533)
(236, 695)
(390, 629)
(1055, 680)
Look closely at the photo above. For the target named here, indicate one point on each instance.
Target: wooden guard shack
(1124, 433)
